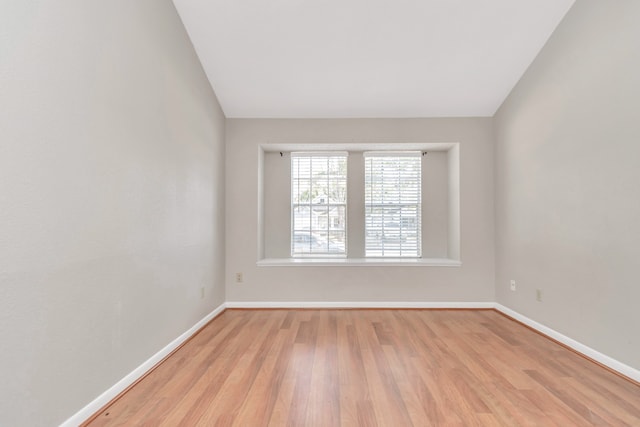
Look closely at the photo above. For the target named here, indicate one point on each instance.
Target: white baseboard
(100, 401)
(357, 304)
(121, 385)
(607, 361)
(610, 362)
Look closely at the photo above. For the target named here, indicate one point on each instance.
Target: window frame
(390, 185)
(314, 231)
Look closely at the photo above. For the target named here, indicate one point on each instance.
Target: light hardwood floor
(374, 367)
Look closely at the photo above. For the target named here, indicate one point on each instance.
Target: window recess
(439, 218)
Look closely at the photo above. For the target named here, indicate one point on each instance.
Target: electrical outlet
(202, 292)
(513, 285)
(239, 278)
(539, 295)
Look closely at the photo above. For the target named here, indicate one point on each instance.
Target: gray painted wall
(474, 281)
(568, 181)
(111, 198)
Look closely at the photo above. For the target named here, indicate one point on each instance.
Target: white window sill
(358, 262)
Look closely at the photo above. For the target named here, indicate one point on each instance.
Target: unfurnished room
(330, 213)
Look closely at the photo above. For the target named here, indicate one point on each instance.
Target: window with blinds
(318, 204)
(392, 204)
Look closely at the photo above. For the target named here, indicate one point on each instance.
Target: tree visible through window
(392, 204)
(318, 204)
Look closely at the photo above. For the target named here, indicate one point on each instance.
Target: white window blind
(318, 204)
(392, 204)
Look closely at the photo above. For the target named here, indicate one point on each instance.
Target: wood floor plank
(611, 413)
(262, 395)
(238, 383)
(374, 368)
(284, 399)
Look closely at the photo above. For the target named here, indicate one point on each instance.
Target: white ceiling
(367, 58)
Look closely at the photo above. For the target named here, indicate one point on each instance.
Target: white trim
(99, 402)
(358, 146)
(319, 154)
(358, 304)
(610, 362)
(94, 406)
(358, 262)
(389, 153)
